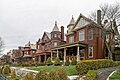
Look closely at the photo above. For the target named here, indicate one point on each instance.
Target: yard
(115, 76)
(71, 70)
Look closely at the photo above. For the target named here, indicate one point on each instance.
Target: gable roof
(48, 34)
(87, 21)
(55, 27)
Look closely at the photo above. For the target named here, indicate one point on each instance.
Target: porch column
(64, 54)
(57, 54)
(51, 55)
(78, 54)
(45, 57)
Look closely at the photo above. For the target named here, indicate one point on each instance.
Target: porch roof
(42, 52)
(70, 45)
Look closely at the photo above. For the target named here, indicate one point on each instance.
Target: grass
(115, 76)
(71, 70)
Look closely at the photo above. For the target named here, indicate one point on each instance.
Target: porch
(69, 52)
(42, 55)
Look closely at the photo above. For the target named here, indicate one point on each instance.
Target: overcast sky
(26, 20)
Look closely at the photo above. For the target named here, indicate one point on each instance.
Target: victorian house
(48, 41)
(83, 40)
(28, 51)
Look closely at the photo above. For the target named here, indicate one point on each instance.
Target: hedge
(82, 67)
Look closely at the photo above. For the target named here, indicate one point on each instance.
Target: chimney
(62, 33)
(99, 17)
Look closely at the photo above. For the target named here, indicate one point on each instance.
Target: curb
(111, 75)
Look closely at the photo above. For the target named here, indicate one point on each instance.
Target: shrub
(42, 75)
(94, 65)
(91, 75)
(58, 75)
(13, 74)
(67, 63)
(81, 68)
(57, 62)
(28, 76)
(49, 62)
(74, 62)
(6, 70)
(53, 75)
(62, 74)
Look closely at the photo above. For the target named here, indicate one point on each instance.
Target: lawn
(71, 70)
(115, 76)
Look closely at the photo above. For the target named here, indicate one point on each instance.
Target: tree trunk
(109, 50)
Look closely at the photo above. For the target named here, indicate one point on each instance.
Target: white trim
(111, 75)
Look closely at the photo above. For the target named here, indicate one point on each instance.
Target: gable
(45, 37)
(81, 23)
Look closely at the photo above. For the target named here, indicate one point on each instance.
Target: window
(90, 52)
(42, 47)
(81, 36)
(90, 34)
(27, 53)
(55, 44)
(71, 39)
(55, 35)
(59, 36)
(82, 53)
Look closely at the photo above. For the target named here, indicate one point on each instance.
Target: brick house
(83, 40)
(48, 41)
(28, 51)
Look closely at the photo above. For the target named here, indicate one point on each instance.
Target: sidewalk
(102, 74)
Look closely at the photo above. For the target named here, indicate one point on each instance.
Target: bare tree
(1, 45)
(110, 21)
